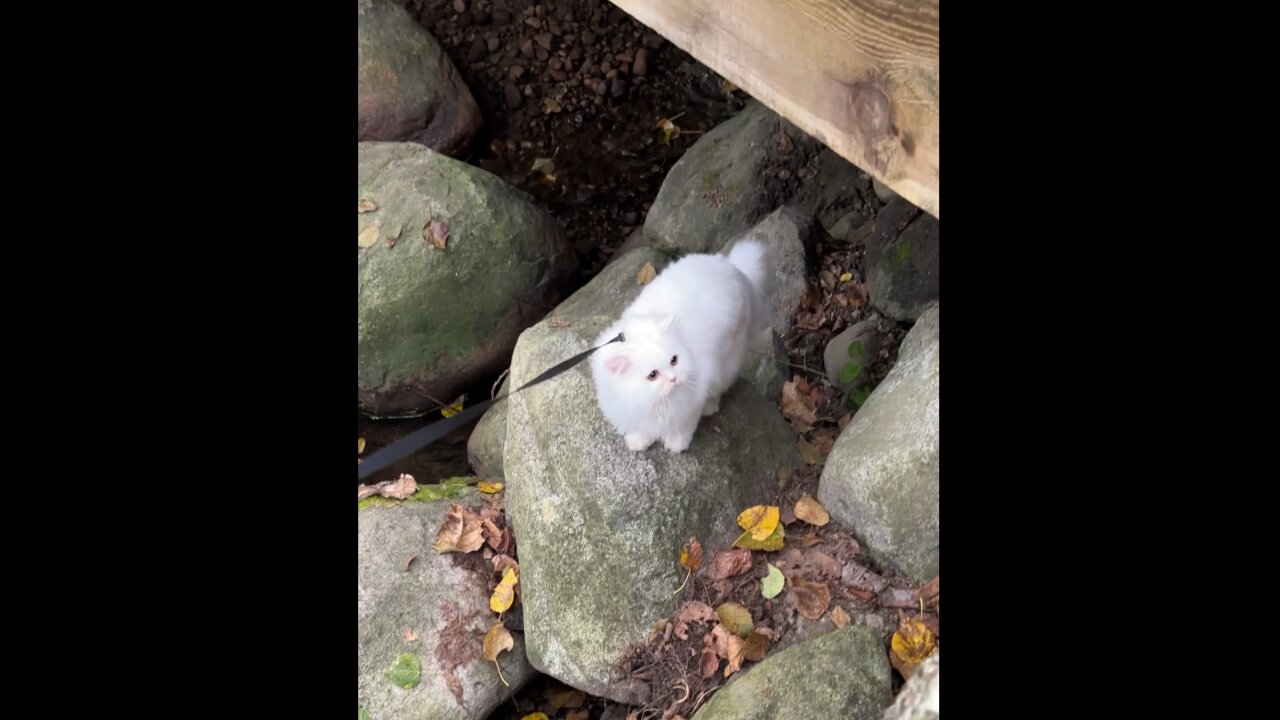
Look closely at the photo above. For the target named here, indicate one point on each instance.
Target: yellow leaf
(366, 206)
(759, 520)
(811, 511)
(769, 544)
(454, 409)
(360, 446)
(535, 716)
(735, 618)
(691, 554)
(846, 277)
(504, 594)
(485, 486)
(728, 86)
(646, 274)
(912, 642)
(567, 698)
(496, 640)
(368, 236)
(755, 646)
(839, 616)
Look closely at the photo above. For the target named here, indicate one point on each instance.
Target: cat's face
(652, 363)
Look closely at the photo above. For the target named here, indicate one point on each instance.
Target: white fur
(702, 309)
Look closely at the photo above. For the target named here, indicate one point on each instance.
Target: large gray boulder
(842, 674)
(408, 89)
(446, 605)
(600, 527)
(881, 478)
(430, 320)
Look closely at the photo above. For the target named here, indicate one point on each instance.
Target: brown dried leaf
(729, 647)
(755, 647)
(461, 532)
(368, 236)
(436, 233)
(400, 488)
(728, 563)
(583, 714)
(502, 562)
(824, 441)
(365, 206)
(809, 453)
(646, 274)
(708, 663)
(365, 491)
(691, 555)
(409, 634)
(820, 564)
(736, 618)
(691, 611)
(408, 562)
(492, 534)
(929, 590)
(567, 698)
(811, 511)
(839, 616)
(797, 406)
(811, 598)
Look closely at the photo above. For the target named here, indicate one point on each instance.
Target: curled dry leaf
(461, 532)
(912, 643)
(436, 233)
(797, 406)
(760, 521)
(489, 488)
(535, 716)
(365, 491)
(400, 488)
(567, 698)
(708, 663)
(839, 616)
(365, 206)
(729, 647)
(691, 555)
(504, 594)
(755, 647)
(811, 511)
(502, 562)
(408, 562)
(646, 274)
(728, 563)
(691, 611)
(736, 618)
(811, 598)
(409, 634)
(454, 407)
(492, 534)
(368, 236)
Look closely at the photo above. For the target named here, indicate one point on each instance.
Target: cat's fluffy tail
(749, 257)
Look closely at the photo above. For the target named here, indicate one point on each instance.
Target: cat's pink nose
(673, 379)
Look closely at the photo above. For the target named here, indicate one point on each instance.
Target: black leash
(418, 439)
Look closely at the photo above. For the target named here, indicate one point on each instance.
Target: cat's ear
(665, 323)
(617, 364)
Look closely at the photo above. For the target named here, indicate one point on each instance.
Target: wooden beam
(859, 75)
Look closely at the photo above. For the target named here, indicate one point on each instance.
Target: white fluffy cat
(686, 336)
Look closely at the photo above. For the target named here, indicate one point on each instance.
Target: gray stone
(836, 355)
(446, 605)
(789, 234)
(918, 699)
(902, 274)
(881, 478)
(432, 321)
(842, 674)
(408, 88)
(484, 446)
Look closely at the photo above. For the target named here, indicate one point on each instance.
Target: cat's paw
(711, 408)
(638, 441)
(679, 443)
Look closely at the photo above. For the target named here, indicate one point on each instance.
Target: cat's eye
(653, 375)
(673, 361)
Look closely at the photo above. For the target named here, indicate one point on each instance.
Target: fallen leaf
(365, 491)
(797, 406)
(728, 86)
(691, 611)
(461, 532)
(770, 544)
(502, 562)
(365, 206)
(912, 642)
(729, 647)
(535, 716)
(691, 555)
(809, 453)
(406, 671)
(546, 166)
(772, 583)
(846, 277)
(368, 236)
(453, 408)
(567, 698)
(736, 618)
(844, 421)
(492, 534)
(359, 446)
(669, 130)
(409, 634)
(755, 647)
(728, 563)
(436, 233)
(583, 714)
(839, 616)
(364, 715)
(824, 441)
(408, 562)
(646, 274)
(811, 511)
(812, 598)
(820, 564)
(709, 662)
(929, 590)
(549, 105)
(760, 520)
(485, 486)
(401, 488)
(504, 594)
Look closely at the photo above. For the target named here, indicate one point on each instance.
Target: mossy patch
(450, 489)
